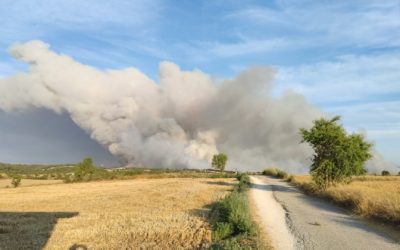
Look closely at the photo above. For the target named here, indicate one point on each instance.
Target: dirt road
(297, 221)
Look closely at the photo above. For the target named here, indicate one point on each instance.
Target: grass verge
(233, 227)
(373, 197)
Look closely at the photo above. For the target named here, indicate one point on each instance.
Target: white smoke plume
(179, 122)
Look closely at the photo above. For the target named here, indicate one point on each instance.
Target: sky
(343, 56)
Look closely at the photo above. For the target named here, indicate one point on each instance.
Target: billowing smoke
(181, 121)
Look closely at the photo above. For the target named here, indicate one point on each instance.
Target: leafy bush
(385, 173)
(16, 181)
(338, 156)
(282, 174)
(274, 172)
(84, 170)
(244, 182)
(270, 172)
(67, 178)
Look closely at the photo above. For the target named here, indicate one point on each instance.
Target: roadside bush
(234, 210)
(16, 181)
(244, 182)
(282, 174)
(337, 155)
(385, 173)
(270, 172)
(274, 172)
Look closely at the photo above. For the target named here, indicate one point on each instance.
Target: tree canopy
(219, 161)
(338, 155)
(84, 169)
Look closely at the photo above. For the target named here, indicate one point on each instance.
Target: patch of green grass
(233, 227)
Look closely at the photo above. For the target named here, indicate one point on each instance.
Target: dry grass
(124, 214)
(28, 183)
(370, 196)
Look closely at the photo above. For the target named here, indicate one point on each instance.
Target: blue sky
(344, 56)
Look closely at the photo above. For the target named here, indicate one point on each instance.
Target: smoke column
(179, 122)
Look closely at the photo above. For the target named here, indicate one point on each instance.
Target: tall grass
(375, 197)
(275, 172)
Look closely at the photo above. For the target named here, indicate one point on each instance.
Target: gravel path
(297, 221)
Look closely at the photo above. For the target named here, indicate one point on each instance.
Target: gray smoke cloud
(181, 121)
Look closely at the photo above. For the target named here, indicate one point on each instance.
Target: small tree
(84, 169)
(337, 155)
(219, 161)
(385, 173)
(16, 181)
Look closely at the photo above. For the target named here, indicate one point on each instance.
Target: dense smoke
(181, 121)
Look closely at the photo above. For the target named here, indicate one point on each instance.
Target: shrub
(274, 172)
(270, 172)
(67, 178)
(16, 181)
(84, 170)
(385, 173)
(244, 182)
(282, 174)
(337, 155)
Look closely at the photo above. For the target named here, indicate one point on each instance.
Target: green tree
(219, 161)
(385, 173)
(337, 155)
(84, 169)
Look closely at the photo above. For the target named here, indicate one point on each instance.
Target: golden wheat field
(371, 196)
(124, 214)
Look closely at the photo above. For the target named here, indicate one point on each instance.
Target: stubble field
(123, 214)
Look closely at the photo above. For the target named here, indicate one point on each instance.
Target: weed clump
(16, 181)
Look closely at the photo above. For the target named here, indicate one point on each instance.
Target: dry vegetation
(370, 196)
(124, 214)
(4, 183)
